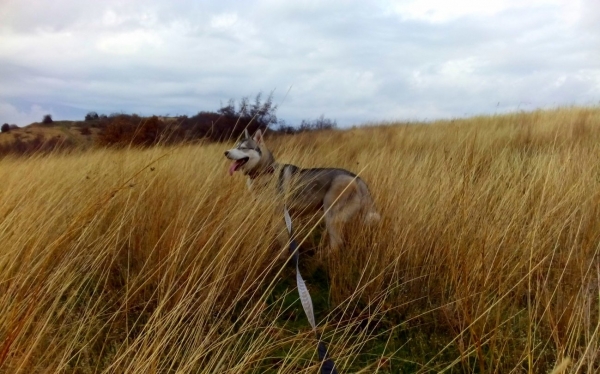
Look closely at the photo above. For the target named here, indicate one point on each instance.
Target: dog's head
(247, 152)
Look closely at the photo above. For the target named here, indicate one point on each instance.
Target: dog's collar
(256, 174)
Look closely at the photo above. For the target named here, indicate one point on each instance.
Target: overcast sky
(353, 61)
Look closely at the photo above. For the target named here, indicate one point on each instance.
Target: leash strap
(327, 364)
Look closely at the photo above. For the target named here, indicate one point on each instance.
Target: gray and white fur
(340, 194)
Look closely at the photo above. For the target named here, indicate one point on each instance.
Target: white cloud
(223, 21)
(438, 11)
(351, 60)
(127, 43)
(10, 114)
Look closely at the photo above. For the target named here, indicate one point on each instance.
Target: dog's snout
(226, 153)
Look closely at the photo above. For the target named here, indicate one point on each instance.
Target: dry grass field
(486, 259)
(60, 130)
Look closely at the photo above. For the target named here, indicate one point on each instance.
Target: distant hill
(58, 130)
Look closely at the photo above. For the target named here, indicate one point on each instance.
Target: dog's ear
(246, 135)
(258, 137)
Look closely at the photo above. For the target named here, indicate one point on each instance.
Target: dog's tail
(370, 216)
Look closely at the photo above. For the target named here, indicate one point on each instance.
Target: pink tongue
(233, 167)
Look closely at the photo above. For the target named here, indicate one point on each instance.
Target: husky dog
(340, 194)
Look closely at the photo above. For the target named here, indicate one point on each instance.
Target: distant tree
(5, 128)
(229, 109)
(230, 120)
(264, 113)
(284, 128)
(99, 122)
(47, 119)
(247, 115)
(320, 123)
(91, 116)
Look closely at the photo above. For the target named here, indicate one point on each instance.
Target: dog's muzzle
(236, 164)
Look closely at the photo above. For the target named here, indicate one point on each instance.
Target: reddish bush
(126, 130)
(85, 130)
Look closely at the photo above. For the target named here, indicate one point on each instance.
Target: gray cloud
(354, 61)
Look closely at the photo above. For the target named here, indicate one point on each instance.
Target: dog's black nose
(226, 153)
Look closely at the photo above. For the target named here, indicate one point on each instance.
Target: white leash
(327, 366)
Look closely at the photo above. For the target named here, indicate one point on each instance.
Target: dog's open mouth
(235, 165)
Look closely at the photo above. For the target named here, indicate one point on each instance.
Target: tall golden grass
(156, 261)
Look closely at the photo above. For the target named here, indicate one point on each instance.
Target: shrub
(85, 130)
(91, 116)
(5, 128)
(285, 129)
(320, 123)
(132, 130)
(230, 120)
(101, 121)
(47, 119)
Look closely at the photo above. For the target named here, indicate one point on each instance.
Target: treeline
(119, 129)
(226, 123)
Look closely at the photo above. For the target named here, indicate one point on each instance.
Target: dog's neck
(265, 166)
(255, 174)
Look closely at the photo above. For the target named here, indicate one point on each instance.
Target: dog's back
(308, 190)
